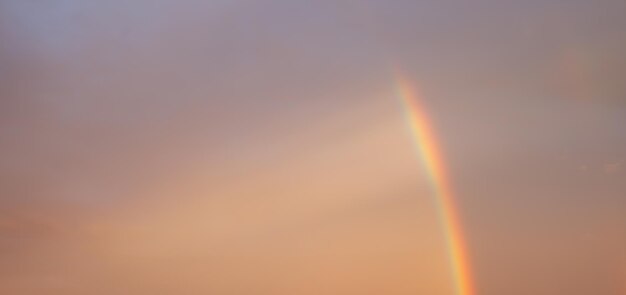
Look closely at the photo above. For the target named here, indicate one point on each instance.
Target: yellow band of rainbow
(430, 153)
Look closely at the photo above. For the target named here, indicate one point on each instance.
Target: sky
(261, 147)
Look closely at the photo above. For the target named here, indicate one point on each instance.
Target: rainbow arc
(434, 164)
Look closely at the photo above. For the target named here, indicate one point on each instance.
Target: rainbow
(426, 142)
